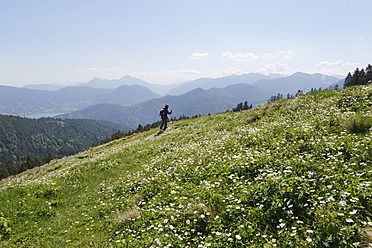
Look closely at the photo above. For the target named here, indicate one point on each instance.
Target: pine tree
(347, 82)
(140, 128)
(3, 172)
(368, 74)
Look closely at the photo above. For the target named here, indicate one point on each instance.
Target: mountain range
(23, 101)
(295, 82)
(139, 101)
(126, 80)
(194, 102)
(208, 83)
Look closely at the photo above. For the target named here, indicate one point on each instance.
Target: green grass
(295, 173)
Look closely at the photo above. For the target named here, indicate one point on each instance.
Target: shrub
(4, 228)
(359, 124)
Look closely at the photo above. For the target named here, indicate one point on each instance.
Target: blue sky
(164, 41)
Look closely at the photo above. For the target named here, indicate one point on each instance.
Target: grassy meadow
(294, 173)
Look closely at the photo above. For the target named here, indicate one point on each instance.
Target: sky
(171, 41)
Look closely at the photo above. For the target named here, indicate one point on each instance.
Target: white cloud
(170, 77)
(197, 56)
(241, 57)
(338, 63)
(280, 68)
(92, 69)
(339, 67)
(286, 54)
(248, 57)
(266, 55)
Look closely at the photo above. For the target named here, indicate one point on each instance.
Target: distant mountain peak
(129, 77)
(299, 74)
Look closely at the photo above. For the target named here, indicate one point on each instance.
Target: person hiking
(164, 117)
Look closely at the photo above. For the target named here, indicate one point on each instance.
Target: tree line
(242, 106)
(359, 77)
(27, 143)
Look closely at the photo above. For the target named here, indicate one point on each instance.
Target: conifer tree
(347, 82)
(368, 74)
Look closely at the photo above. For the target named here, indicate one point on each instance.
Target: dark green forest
(359, 77)
(27, 143)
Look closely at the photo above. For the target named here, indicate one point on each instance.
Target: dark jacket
(166, 113)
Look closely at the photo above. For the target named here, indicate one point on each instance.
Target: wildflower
(281, 225)
(353, 212)
(308, 239)
(349, 220)
(238, 237)
(342, 203)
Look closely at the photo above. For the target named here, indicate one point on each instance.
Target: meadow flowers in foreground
(296, 173)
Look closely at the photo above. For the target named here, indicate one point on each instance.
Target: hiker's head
(167, 106)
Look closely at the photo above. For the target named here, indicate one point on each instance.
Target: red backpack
(162, 112)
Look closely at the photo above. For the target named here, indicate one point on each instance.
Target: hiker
(164, 116)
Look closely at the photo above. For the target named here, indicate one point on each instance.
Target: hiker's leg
(165, 123)
(162, 123)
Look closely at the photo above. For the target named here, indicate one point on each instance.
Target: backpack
(162, 112)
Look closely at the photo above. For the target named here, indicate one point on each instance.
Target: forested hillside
(293, 173)
(192, 103)
(26, 143)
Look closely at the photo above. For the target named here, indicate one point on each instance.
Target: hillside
(295, 173)
(24, 140)
(23, 101)
(295, 82)
(30, 99)
(222, 82)
(127, 95)
(197, 101)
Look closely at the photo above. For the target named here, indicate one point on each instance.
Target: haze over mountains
(197, 101)
(132, 101)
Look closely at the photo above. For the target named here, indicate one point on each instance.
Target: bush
(359, 124)
(4, 228)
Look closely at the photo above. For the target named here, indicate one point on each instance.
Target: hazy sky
(166, 41)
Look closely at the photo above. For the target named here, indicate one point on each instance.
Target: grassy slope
(296, 173)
